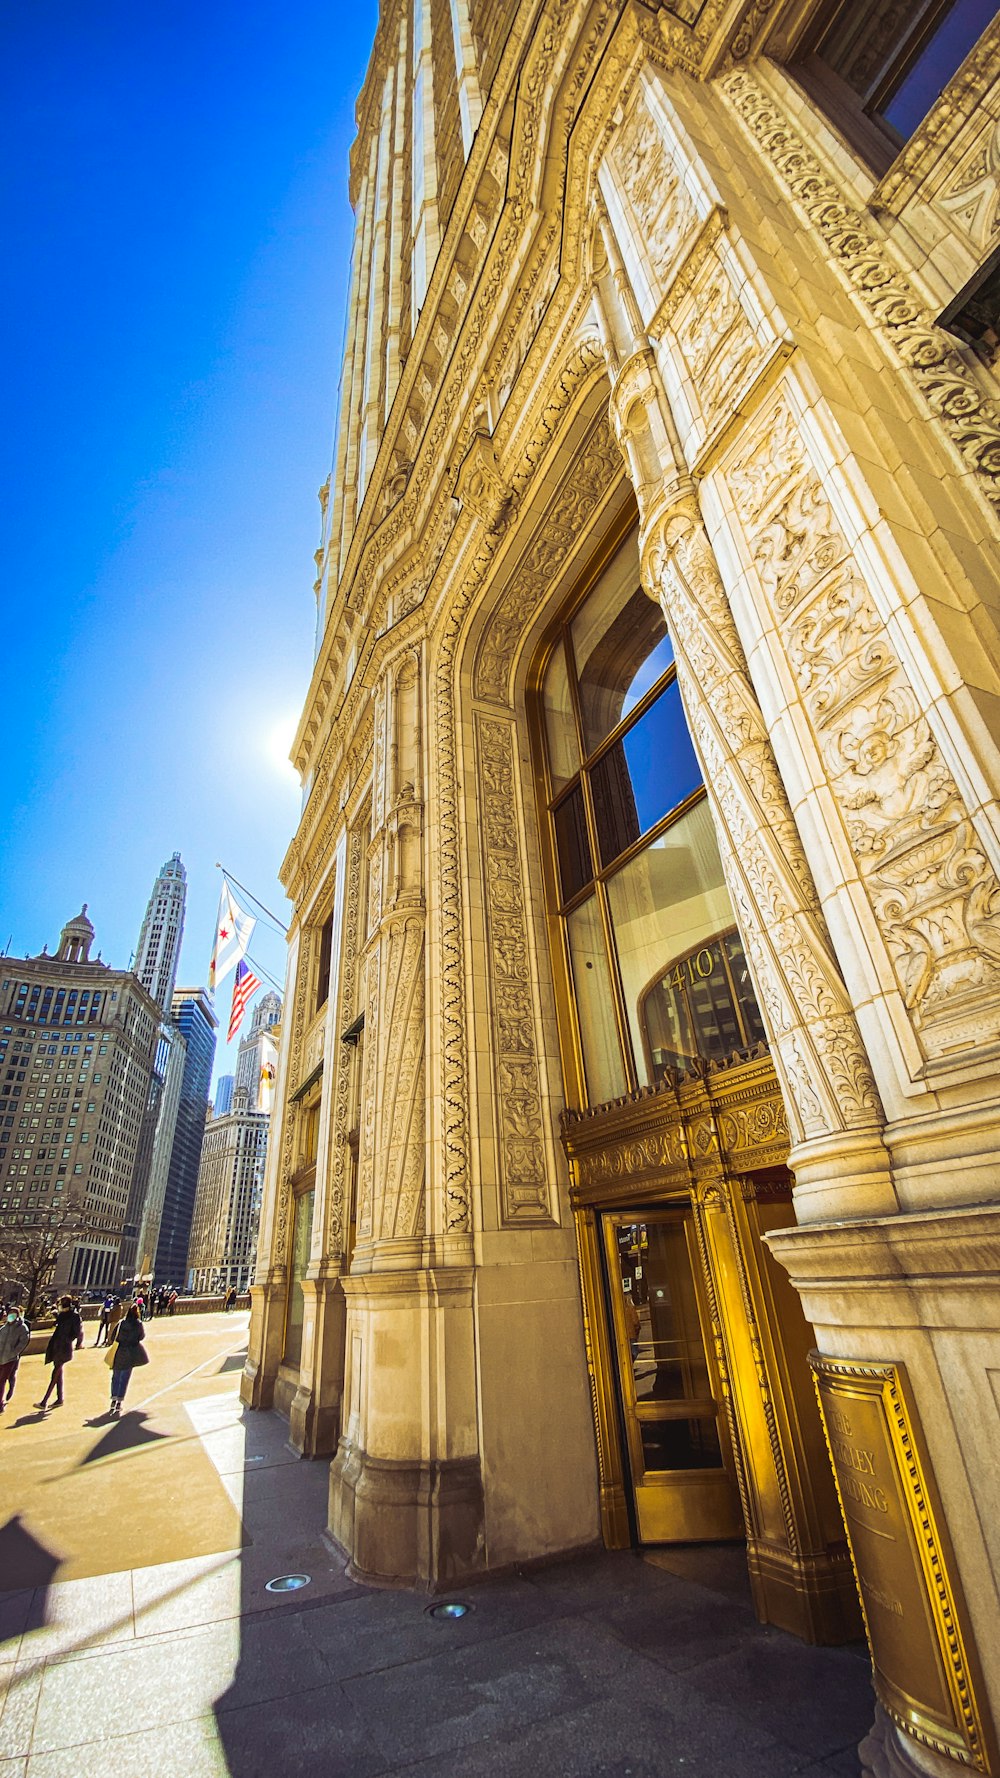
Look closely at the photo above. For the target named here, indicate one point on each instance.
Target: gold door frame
(699, 1505)
(719, 1140)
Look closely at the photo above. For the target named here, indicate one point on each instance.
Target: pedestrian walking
(171, 1302)
(66, 1336)
(127, 1353)
(102, 1320)
(116, 1314)
(14, 1337)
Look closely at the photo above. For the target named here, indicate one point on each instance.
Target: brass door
(682, 1472)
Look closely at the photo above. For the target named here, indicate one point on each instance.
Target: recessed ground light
(447, 1608)
(287, 1583)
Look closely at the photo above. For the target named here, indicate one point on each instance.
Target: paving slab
(154, 1629)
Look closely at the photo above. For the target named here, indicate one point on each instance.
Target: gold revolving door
(680, 1456)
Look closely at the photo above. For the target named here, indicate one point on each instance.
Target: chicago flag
(233, 931)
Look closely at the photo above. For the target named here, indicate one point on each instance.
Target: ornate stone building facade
(634, 1156)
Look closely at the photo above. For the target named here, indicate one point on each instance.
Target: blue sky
(176, 249)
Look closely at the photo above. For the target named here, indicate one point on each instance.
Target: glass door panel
(682, 1473)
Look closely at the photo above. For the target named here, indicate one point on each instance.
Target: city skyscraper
(266, 1013)
(77, 1099)
(223, 1248)
(171, 1051)
(159, 948)
(195, 1016)
(223, 1102)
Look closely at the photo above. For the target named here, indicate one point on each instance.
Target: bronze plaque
(913, 1615)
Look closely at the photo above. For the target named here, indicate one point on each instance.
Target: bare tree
(31, 1242)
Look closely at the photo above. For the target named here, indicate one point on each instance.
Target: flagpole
(266, 910)
(265, 973)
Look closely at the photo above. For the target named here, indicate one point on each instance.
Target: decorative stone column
(855, 792)
(405, 1491)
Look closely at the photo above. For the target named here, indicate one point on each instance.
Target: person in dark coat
(128, 1354)
(14, 1337)
(67, 1336)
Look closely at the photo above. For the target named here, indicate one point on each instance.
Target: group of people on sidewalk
(123, 1332)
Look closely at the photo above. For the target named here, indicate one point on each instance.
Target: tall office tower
(195, 1016)
(171, 1051)
(162, 929)
(643, 1010)
(223, 1246)
(223, 1102)
(77, 1057)
(266, 1013)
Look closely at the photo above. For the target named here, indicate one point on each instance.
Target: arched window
(657, 971)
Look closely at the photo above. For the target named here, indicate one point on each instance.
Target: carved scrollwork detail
(523, 1161)
(931, 886)
(339, 1162)
(968, 417)
(296, 1034)
(598, 466)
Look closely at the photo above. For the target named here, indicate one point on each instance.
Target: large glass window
(657, 972)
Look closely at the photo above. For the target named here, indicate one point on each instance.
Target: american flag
(245, 985)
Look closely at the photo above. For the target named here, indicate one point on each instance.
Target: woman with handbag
(125, 1355)
(67, 1335)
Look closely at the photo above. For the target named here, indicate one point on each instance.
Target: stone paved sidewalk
(609, 1666)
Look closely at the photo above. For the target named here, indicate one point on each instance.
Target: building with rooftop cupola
(633, 1171)
(77, 1054)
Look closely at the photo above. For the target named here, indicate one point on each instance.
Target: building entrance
(684, 1486)
(705, 1413)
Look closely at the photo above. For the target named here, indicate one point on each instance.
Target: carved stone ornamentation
(933, 891)
(339, 1159)
(660, 201)
(816, 1045)
(968, 417)
(971, 197)
(455, 1210)
(524, 1169)
(598, 466)
(296, 1028)
(397, 1063)
(479, 484)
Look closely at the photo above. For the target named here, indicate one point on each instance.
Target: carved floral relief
(663, 207)
(857, 250)
(524, 1168)
(934, 893)
(815, 1041)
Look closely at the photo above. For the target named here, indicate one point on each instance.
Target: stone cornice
(936, 1246)
(960, 100)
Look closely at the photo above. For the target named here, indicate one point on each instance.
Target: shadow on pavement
(123, 1435)
(24, 1562)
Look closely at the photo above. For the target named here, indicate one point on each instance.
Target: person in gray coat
(129, 1353)
(14, 1337)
